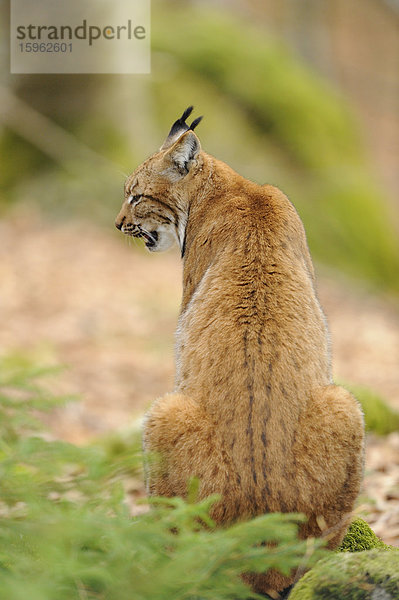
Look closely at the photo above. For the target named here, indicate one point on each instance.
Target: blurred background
(303, 95)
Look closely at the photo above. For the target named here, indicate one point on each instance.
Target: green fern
(66, 531)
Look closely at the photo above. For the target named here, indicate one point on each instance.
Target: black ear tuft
(186, 113)
(179, 127)
(195, 123)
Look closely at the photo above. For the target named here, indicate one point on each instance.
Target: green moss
(360, 537)
(352, 576)
(379, 417)
(371, 566)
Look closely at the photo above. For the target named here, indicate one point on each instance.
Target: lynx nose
(119, 224)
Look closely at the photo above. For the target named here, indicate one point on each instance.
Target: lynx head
(157, 193)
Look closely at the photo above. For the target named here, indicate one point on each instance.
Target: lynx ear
(179, 127)
(184, 152)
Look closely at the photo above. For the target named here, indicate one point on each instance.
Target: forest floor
(84, 297)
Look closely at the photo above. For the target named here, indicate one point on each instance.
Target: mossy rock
(370, 572)
(369, 575)
(360, 537)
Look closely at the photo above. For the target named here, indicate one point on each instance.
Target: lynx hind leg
(180, 441)
(330, 458)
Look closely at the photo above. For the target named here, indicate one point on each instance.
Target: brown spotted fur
(254, 413)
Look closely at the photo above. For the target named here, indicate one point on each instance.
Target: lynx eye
(133, 199)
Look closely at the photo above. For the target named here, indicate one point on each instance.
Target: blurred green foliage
(66, 531)
(379, 417)
(14, 152)
(278, 94)
(267, 114)
(309, 128)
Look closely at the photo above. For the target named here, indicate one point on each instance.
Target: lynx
(254, 414)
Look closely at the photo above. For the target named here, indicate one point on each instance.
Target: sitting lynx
(254, 414)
